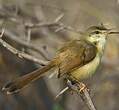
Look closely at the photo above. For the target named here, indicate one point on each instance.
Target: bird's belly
(87, 70)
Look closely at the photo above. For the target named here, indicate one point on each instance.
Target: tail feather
(15, 85)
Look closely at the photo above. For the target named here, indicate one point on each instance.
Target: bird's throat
(101, 46)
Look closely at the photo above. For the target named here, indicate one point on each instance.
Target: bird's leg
(70, 85)
(82, 87)
(78, 86)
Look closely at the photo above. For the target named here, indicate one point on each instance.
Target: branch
(84, 94)
(13, 37)
(29, 26)
(19, 53)
(56, 22)
(81, 89)
(87, 99)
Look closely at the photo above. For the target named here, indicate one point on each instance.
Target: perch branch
(84, 94)
(80, 89)
(87, 99)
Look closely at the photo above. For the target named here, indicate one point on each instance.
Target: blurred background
(44, 42)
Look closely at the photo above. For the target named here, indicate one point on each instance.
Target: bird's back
(73, 55)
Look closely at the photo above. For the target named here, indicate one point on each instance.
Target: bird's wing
(75, 54)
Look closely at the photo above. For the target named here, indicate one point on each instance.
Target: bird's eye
(96, 32)
(95, 43)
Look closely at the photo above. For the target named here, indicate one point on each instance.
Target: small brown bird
(76, 60)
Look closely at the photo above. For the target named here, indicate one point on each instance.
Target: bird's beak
(110, 31)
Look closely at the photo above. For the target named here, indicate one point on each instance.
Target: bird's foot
(78, 87)
(82, 87)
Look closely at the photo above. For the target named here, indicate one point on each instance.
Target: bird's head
(98, 34)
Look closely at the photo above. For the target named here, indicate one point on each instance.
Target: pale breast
(87, 70)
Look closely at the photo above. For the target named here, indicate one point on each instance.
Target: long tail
(15, 85)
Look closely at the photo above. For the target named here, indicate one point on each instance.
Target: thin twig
(60, 26)
(28, 35)
(46, 24)
(19, 53)
(59, 17)
(3, 30)
(61, 92)
(69, 28)
(29, 26)
(56, 22)
(13, 37)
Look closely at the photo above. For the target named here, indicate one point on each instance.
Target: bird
(76, 60)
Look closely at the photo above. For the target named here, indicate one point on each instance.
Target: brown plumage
(72, 55)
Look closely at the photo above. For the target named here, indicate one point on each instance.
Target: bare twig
(28, 35)
(19, 53)
(69, 28)
(13, 37)
(3, 30)
(61, 92)
(46, 24)
(59, 18)
(56, 22)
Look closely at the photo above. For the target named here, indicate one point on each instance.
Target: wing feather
(75, 54)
